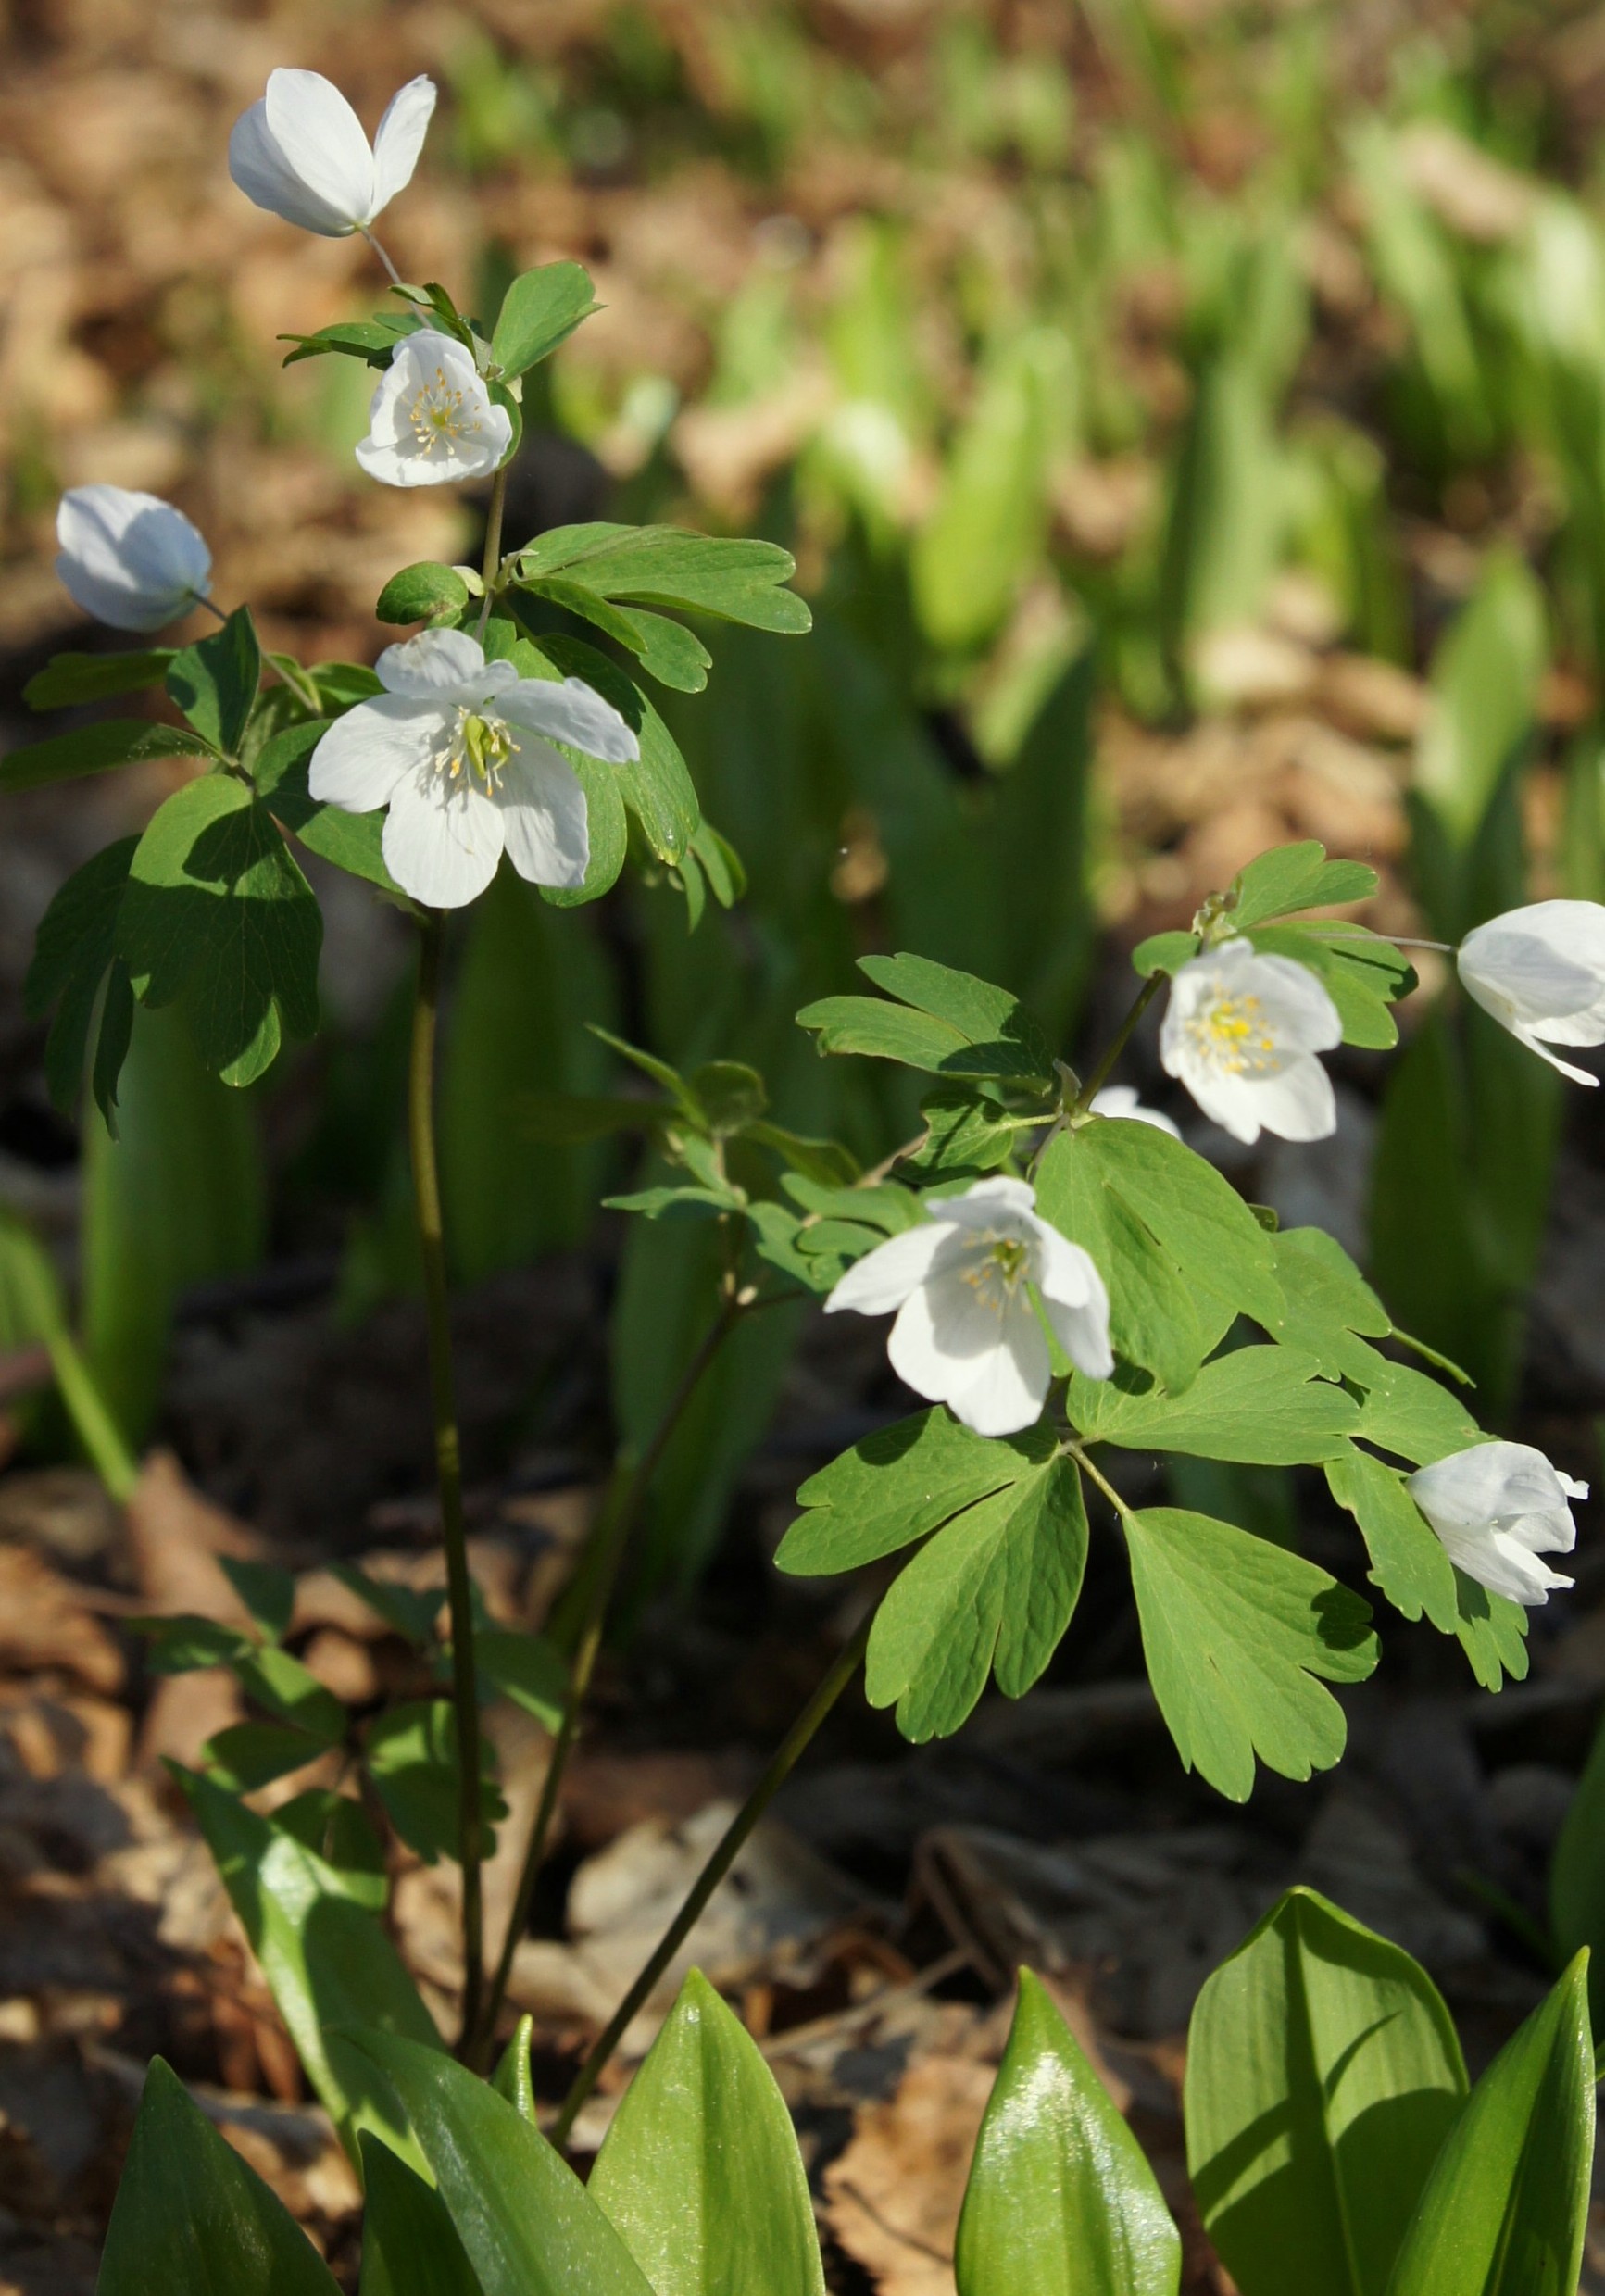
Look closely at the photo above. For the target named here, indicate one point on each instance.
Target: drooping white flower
(1242, 1032)
(432, 418)
(454, 747)
(1497, 1508)
(967, 1332)
(130, 559)
(1122, 1100)
(1540, 971)
(300, 152)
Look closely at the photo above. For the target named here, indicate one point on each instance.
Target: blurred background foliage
(1189, 418)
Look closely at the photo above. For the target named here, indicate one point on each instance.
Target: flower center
(476, 745)
(1233, 1034)
(439, 415)
(998, 1268)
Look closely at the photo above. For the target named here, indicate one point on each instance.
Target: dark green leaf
(1060, 2200)
(411, 1757)
(670, 566)
(1577, 1875)
(340, 1834)
(268, 1593)
(541, 309)
(657, 787)
(411, 1613)
(1363, 976)
(352, 841)
(525, 1668)
(289, 1691)
(1236, 1633)
(95, 749)
(894, 1486)
(182, 1644)
(215, 681)
(1323, 2074)
(420, 593)
(75, 967)
(66, 679)
(409, 2245)
(249, 1754)
(373, 340)
(192, 2218)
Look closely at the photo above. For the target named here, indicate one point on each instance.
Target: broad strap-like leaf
(1239, 1636)
(409, 2244)
(527, 2222)
(218, 916)
(1261, 1406)
(1577, 1876)
(1323, 2074)
(192, 2218)
(329, 1963)
(1506, 2205)
(1060, 2200)
(215, 681)
(95, 749)
(699, 2171)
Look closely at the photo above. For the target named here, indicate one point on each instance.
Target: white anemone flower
(1497, 1508)
(1122, 1100)
(1242, 1032)
(432, 418)
(300, 152)
(1540, 971)
(130, 559)
(967, 1332)
(454, 747)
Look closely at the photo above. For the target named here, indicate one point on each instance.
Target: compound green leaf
(339, 1831)
(1262, 1406)
(373, 340)
(525, 1668)
(1327, 1303)
(215, 681)
(1297, 876)
(410, 1754)
(993, 1591)
(289, 1691)
(896, 1485)
(95, 749)
(1507, 2202)
(1061, 2201)
(528, 2224)
(1323, 2074)
(268, 1593)
(73, 967)
(1362, 974)
(1407, 1413)
(249, 1754)
(699, 2170)
(1492, 1631)
(541, 309)
(671, 566)
(657, 787)
(1409, 1561)
(192, 2216)
(69, 679)
(1199, 1217)
(1236, 1633)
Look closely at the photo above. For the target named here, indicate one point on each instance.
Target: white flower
(432, 420)
(453, 746)
(1122, 1100)
(130, 559)
(1242, 1032)
(300, 152)
(967, 1332)
(1541, 973)
(1497, 1508)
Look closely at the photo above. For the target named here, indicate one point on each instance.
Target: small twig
(865, 2011)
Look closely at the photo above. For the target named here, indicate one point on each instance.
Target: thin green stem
(600, 1571)
(1122, 1036)
(490, 565)
(395, 279)
(97, 1429)
(1075, 1452)
(448, 1452)
(842, 1670)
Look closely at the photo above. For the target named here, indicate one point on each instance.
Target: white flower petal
(1536, 1044)
(573, 712)
(320, 140)
(544, 816)
(442, 840)
(129, 558)
(368, 752)
(1299, 1104)
(884, 1278)
(1011, 1388)
(1497, 1507)
(1233, 1102)
(1083, 1333)
(1570, 1485)
(1074, 1300)
(435, 663)
(1298, 1005)
(1542, 966)
(266, 177)
(1001, 1205)
(431, 421)
(400, 139)
(1120, 1100)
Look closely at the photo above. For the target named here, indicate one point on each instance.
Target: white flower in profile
(1497, 1508)
(1540, 971)
(432, 418)
(300, 152)
(130, 559)
(455, 747)
(1242, 1032)
(968, 1333)
(1122, 1100)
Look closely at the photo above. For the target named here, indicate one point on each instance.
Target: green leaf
(420, 593)
(883, 1032)
(373, 340)
(1492, 1631)
(192, 2216)
(945, 1021)
(339, 1832)
(528, 2224)
(668, 651)
(657, 787)
(1263, 1407)
(1236, 1632)
(1484, 676)
(182, 1644)
(541, 309)
(1577, 1875)
(1506, 2204)
(1060, 2200)
(69, 678)
(409, 2244)
(1362, 974)
(250, 1754)
(1323, 2074)
(329, 1963)
(1408, 1561)
(268, 1593)
(215, 681)
(896, 1485)
(964, 1134)
(512, 2078)
(411, 1756)
(527, 1669)
(1296, 876)
(1406, 1413)
(289, 1691)
(1327, 1304)
(218, 916)
(95, 749)
(699, 2170)
(1197, 1216)
(670, 566)
(1164, 952)
(352, 841)
(412, 1612)
(993, 1591)
(76, 967)
(1156, 1316)
(983, 1016)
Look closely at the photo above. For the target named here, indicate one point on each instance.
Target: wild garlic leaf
(1239, 1636)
